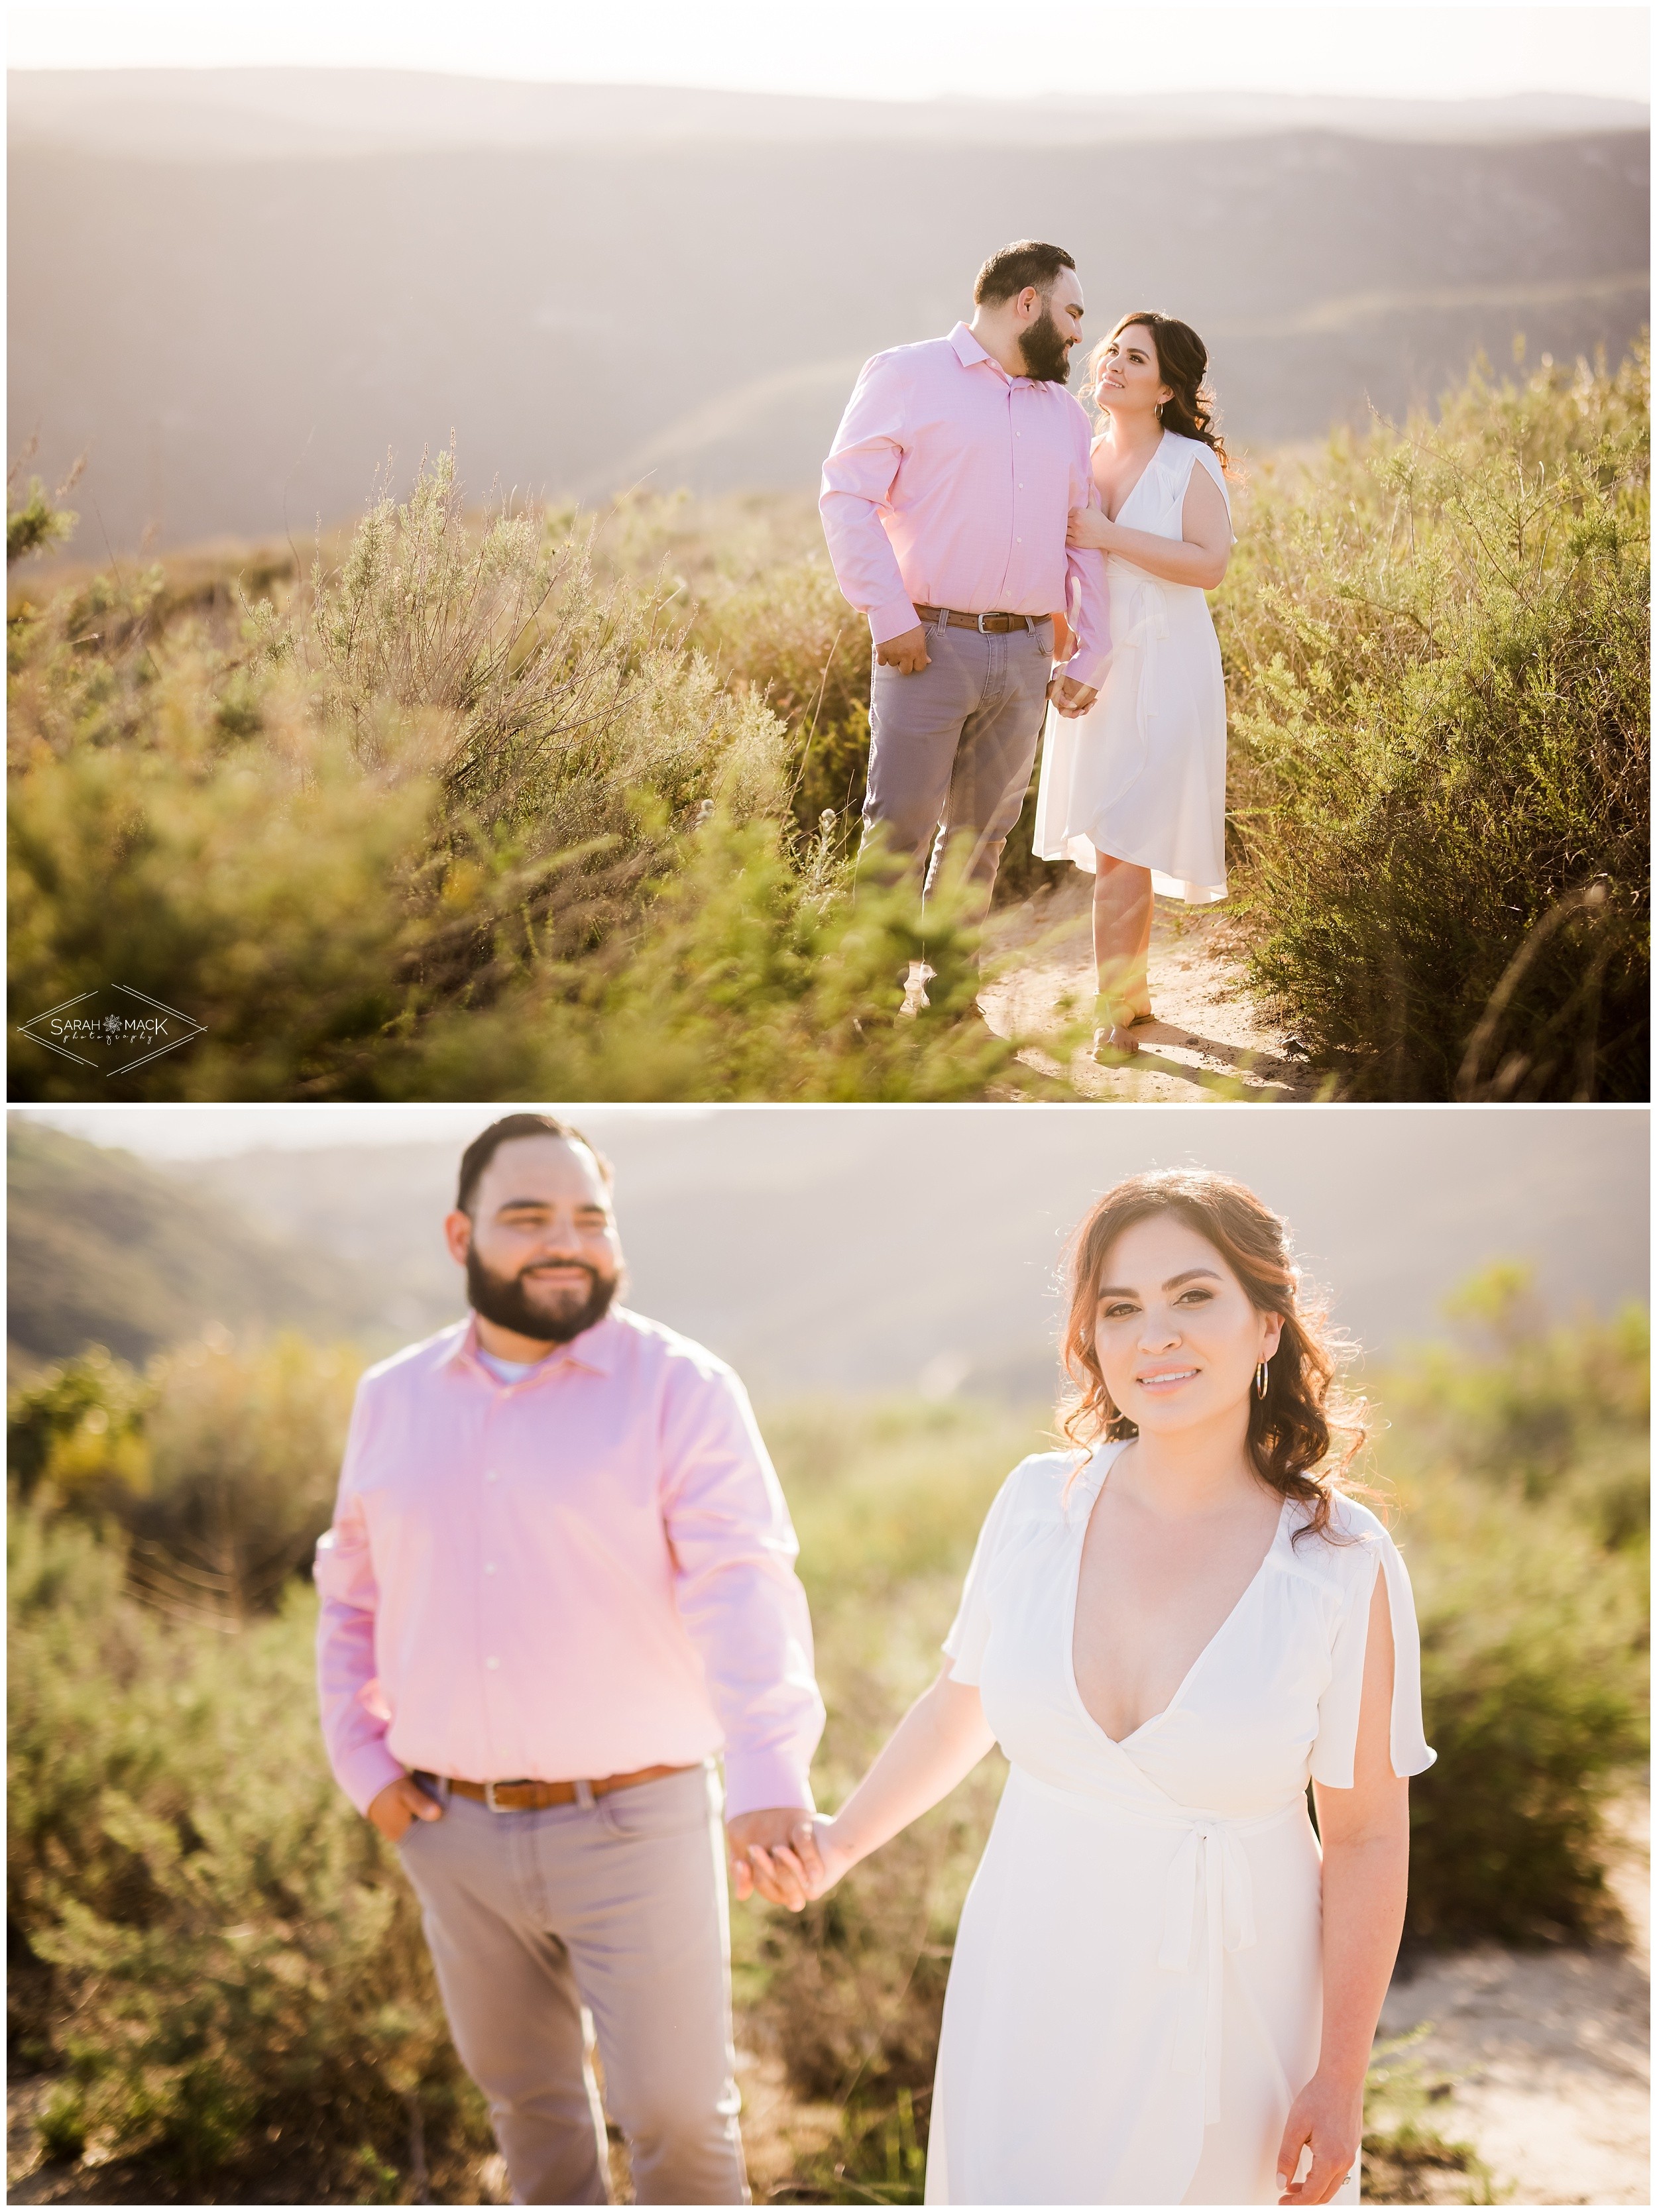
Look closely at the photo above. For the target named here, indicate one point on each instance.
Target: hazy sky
(880, 49)
(190, 1132)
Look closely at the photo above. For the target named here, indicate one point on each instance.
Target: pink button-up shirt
(580, 1574)
(950, 484)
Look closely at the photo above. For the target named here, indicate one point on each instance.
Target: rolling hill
(238, 291)
(102, 1248)
(857, 1249)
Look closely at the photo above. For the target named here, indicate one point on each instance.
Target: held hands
(1070, 698)
(399, 1806)
(797, 1860)
(1328, 2115)
(906, 652)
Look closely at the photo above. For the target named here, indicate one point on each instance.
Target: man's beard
(506, 1301)
(1046, 356)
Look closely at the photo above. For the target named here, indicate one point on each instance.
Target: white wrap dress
(1136, 1997)
(1141, 775)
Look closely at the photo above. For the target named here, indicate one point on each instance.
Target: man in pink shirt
(945, 502)
(560, 1579)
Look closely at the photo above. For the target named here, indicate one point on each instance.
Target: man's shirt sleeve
(1085, 601)
(858, 479)
(734, 1550)
(355, 1714)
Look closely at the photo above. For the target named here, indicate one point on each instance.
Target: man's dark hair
(1008, 271)
(482, 1150)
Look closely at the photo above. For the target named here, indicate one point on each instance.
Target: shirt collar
(595, 1349)
(969, 353)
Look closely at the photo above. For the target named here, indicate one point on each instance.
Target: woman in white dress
(1164, 1990)
(1134, 791)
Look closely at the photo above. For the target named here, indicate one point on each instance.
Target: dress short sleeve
(1206, 458)
(969, 1630)
(1335, 1748)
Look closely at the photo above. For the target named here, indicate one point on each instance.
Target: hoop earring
(1260, 1378)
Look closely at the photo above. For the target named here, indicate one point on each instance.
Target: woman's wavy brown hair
(1304, 1433)
(1183, 360)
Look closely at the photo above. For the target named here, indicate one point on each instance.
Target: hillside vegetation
(221, 1965)
(102, 1248)
(1438, 647)
(542, 806)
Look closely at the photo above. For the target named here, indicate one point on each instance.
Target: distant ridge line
(254, 114)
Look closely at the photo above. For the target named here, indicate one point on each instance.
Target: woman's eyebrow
(1173, 1283)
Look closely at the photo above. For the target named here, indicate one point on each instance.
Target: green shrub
(1538, 1411)
(79, 1427)
(240, 1982)
(1520, 1457)
(35, 523)
(1437, 646)
(754, 973)
(468, 815)
(1405, 2154)
(219, 1462)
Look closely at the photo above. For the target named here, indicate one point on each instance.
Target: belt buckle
(983, 632)
(489, 1799)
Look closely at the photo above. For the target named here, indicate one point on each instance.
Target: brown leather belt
(535, 1796)
(955, 620)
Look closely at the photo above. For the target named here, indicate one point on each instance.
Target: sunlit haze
(885, 49)
(165, 1131)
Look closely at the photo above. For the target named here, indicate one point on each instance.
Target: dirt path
(1209, 1041)
(1547, 2054)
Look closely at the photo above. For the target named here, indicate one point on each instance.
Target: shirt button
(489, 1566)
(491, 1662)
(493, 1475)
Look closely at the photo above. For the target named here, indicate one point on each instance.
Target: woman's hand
(1088, 527)
(1329, 2115)
(812, 1861)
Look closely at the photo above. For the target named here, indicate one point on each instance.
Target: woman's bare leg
(1123, 905)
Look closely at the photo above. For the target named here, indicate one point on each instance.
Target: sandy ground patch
(1210, 1039)
(1547, 2053)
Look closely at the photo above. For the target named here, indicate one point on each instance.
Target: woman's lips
(1170, 1381)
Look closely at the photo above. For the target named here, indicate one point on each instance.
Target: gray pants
(620, 1906)
(951, 748)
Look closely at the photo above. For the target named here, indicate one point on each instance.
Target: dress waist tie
(1228, 1895)
(1209, 1844)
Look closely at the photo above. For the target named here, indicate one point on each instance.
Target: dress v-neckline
(1151, 459)
(1121, 1742)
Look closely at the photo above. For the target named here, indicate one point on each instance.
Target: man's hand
(1070, 697)
(399, 1805)
(812, 1861)
(766, 1832)
(907, 654)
